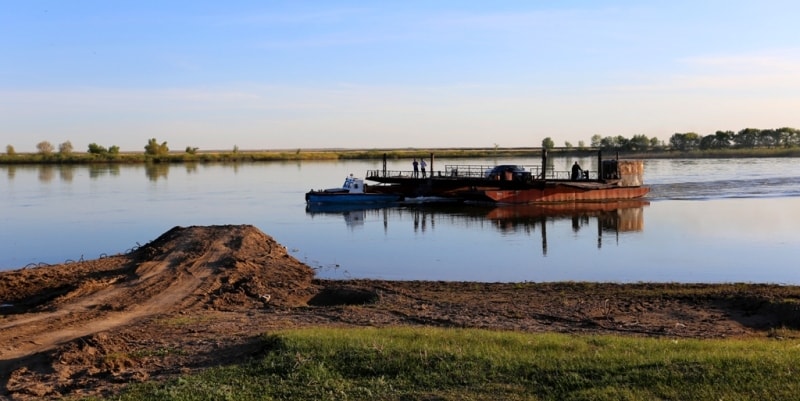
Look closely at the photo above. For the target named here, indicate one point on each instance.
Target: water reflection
(46, 173)
(354, 215)
(154, 171)
(100, 170)
(66, 173)
(609, 218)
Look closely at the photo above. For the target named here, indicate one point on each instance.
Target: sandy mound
(185, 271)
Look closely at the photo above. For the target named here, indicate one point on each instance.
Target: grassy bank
(456, 364)
(370, 154)
(262, 156)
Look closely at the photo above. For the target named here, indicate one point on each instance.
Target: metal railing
(480, 172)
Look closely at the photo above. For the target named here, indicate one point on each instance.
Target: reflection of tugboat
(614, 180)
(354, 214)
(339, 208)
(352, 191)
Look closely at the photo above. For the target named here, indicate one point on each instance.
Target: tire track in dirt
(159, 286)
(77, 326)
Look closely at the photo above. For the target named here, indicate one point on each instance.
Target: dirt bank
(199, 296)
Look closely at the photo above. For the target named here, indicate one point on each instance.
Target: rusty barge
(613, 180)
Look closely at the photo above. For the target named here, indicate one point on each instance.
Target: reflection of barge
(614, 180)
(614, 217)
(619, 216)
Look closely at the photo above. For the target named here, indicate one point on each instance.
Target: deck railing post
(599, 164)
(544, 163)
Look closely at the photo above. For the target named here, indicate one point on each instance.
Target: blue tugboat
(353, 191)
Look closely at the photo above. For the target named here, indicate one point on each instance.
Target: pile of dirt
(72, 307)
(199, 297)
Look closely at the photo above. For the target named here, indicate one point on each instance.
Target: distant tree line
(748, 138)
(635, 144)
(619, 143)
(46, 148)
(63, 153)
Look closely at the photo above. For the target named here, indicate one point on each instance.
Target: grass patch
(458, 364)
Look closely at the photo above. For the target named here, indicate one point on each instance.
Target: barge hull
(515, 193)
(564, 193)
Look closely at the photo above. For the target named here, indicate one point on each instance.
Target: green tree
(45, 147)
(596, 140)
(96, 149)
(707, 142)
(10, 150)
(154, 149)
(114, 150)
(608, 143)
(621, 143)
(747, 138)
(722, 139)
(548, 143)
(789, 137)
(65, 148)
(655, 143)
(639, 142)
(685, 141)
(190, 150)
(769, 138)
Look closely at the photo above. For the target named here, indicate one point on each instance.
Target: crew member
(576, 171)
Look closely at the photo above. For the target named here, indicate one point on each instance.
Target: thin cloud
(331, 40)
(287, 17)
(787, 60)
(768, 72)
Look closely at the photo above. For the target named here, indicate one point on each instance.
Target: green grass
(457, 364)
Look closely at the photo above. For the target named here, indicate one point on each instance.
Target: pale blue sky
(286, 75)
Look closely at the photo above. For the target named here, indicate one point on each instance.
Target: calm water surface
(717, 220)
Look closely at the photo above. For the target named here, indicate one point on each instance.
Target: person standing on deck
(576, 171)
(416, 168)
(422, 166)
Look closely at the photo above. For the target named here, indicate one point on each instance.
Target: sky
(391, 74)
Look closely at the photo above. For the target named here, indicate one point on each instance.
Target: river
(705, 220)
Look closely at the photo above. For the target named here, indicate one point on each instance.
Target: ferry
(614, 180)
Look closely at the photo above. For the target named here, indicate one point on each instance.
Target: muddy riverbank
(200, 296)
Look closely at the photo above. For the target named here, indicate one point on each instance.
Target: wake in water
(745, 188)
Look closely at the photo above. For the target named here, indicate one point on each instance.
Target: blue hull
(351, 199)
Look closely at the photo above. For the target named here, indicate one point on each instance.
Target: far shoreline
(215, 156)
